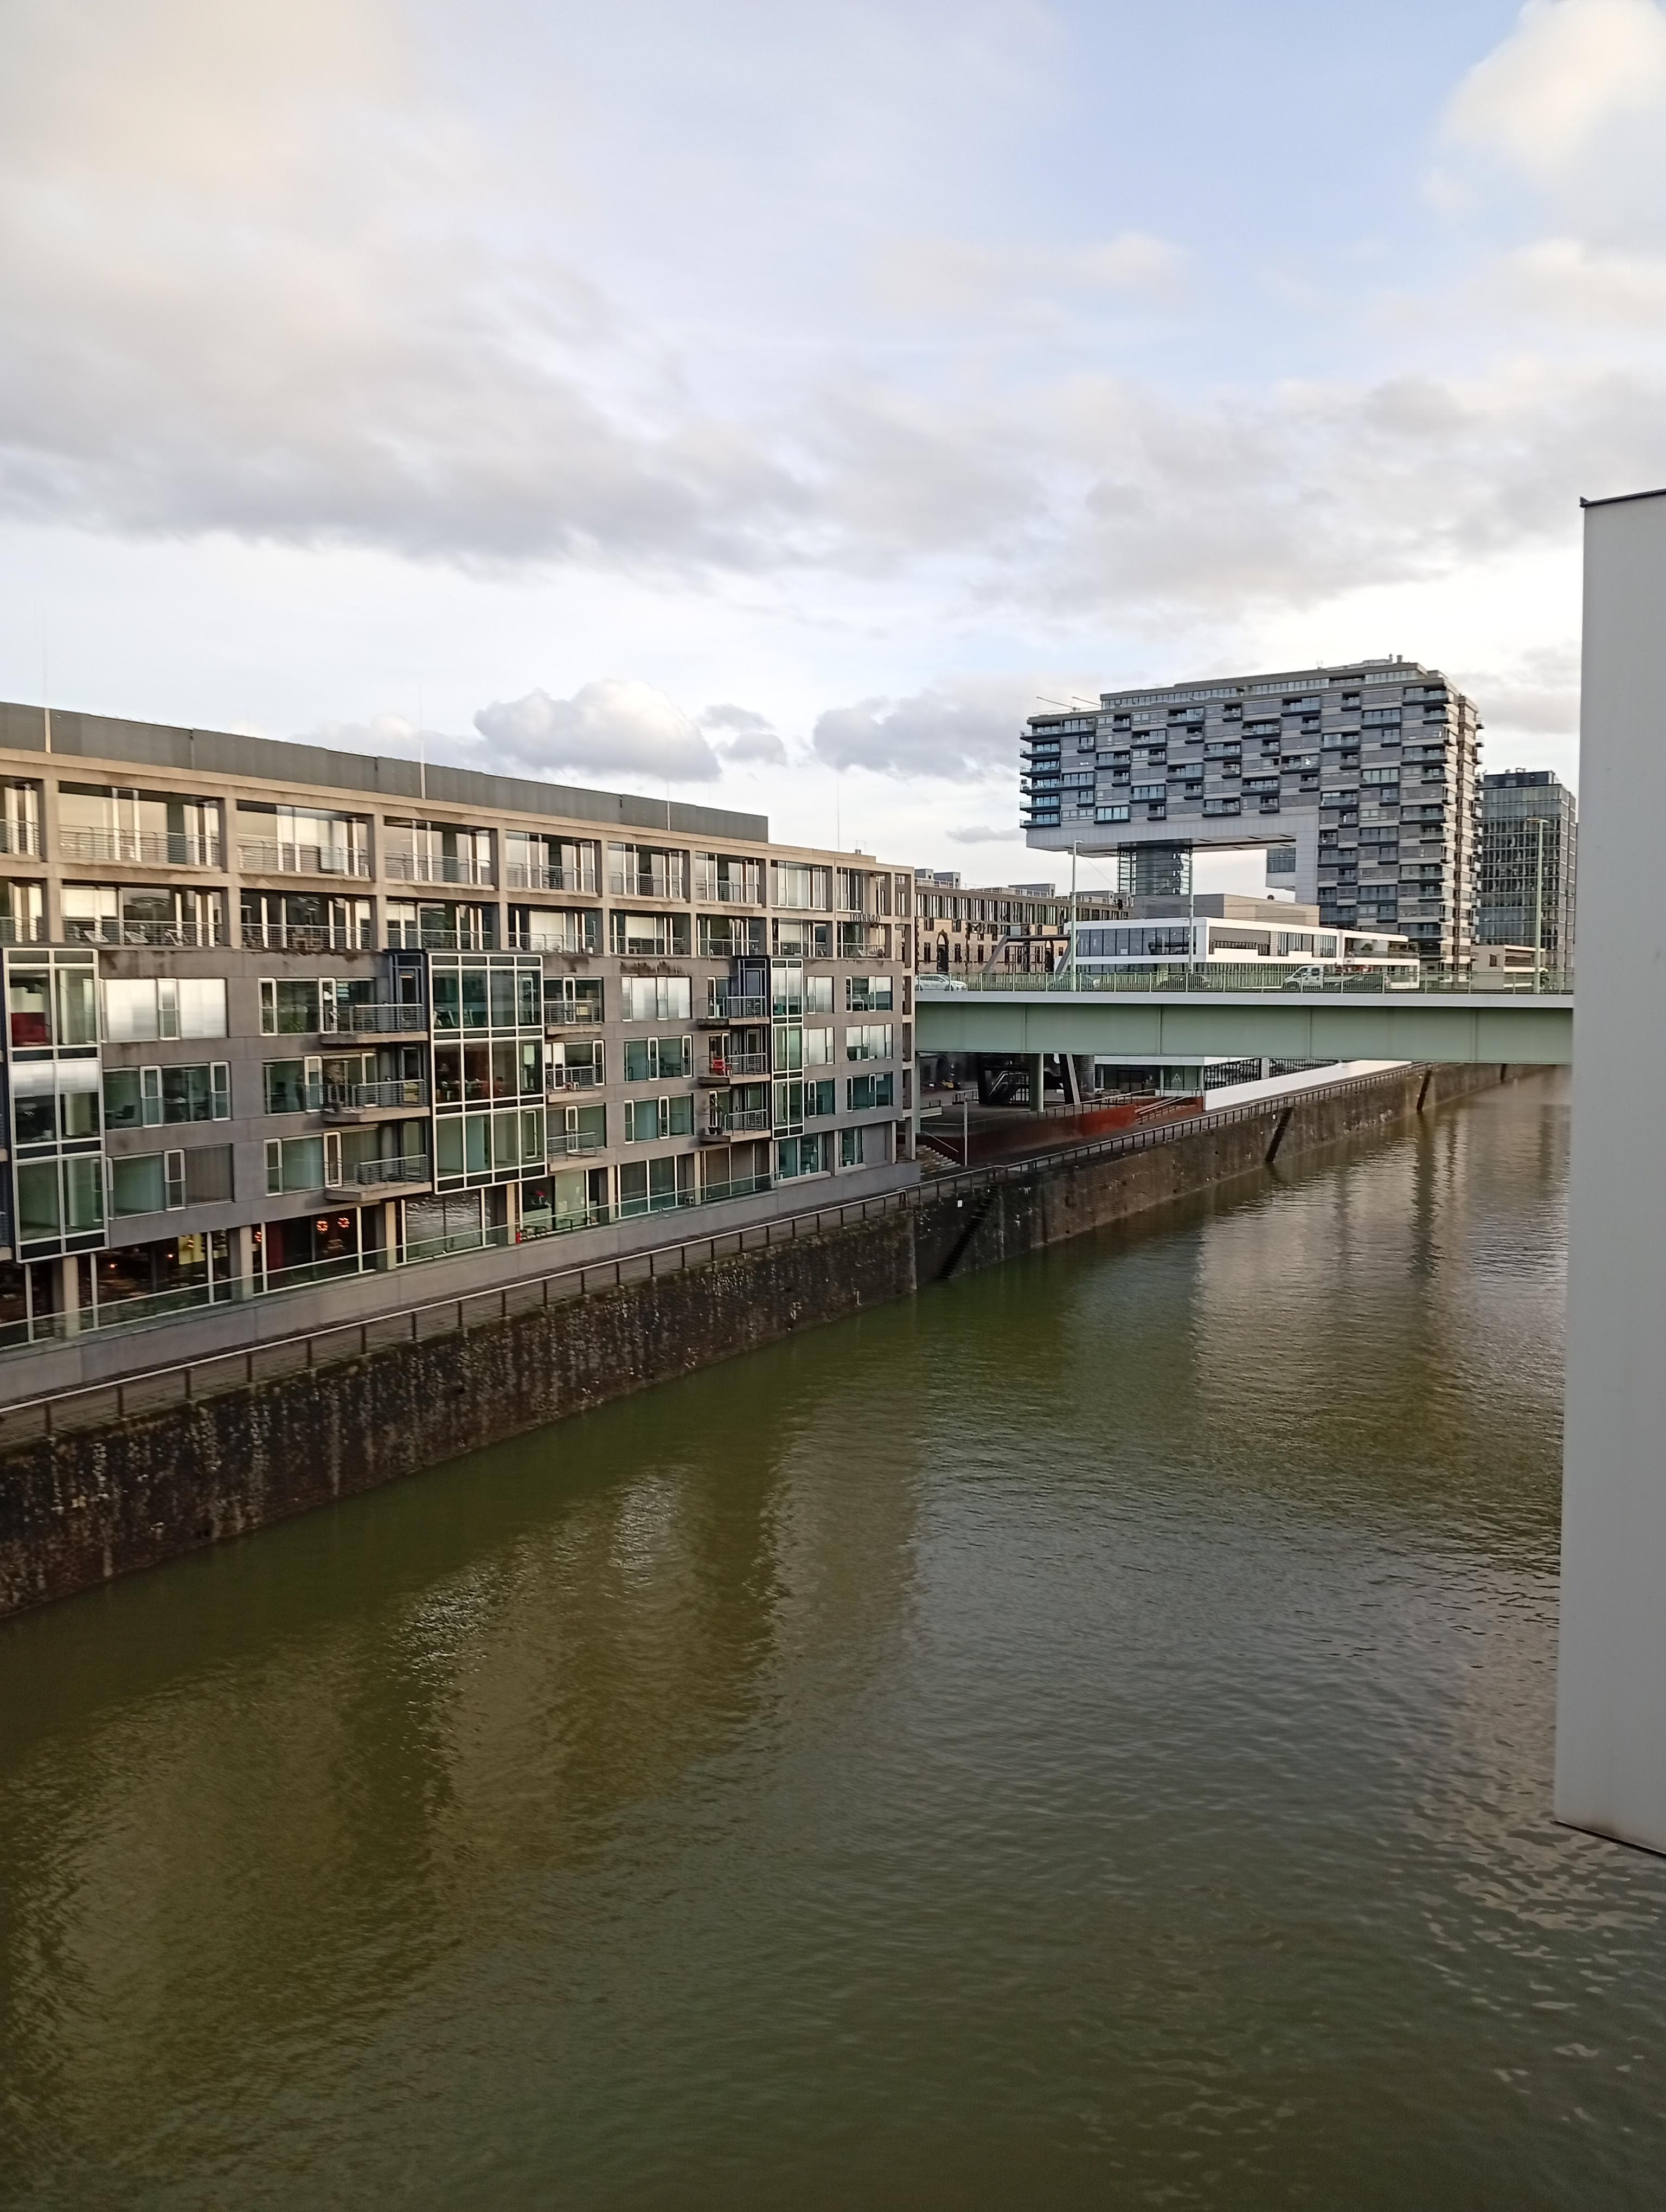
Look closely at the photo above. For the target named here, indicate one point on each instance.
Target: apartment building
(1014, 926)
(279, 1015)
(1528, 864)
(1360, 782)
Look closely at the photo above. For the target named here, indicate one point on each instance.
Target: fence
(214, 1372)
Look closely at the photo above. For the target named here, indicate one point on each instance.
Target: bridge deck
(1190, 1025)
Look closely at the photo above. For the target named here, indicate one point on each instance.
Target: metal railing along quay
(209, 1374)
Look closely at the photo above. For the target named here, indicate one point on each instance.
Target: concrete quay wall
(79, 1506)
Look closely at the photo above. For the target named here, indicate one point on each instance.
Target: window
(1380, 775)
(647, 1059)
(291, 1007)
(818, 994)
(803, 1156)
(817, 1048)
(852, 1148)
(656, 998)
(145, 1097)
(864, 1092)
(148, 1182)
(294, 1086)
(299, 1163)
(649, 1119)
(139, 1008)
(820, 1099)
(1110, 813)
(794, 885)
(868, 1041)
(1222, 806)
(648, 936)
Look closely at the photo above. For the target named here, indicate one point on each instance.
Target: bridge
(1523, 1027)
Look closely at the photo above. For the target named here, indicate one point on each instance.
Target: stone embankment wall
(80, 1507)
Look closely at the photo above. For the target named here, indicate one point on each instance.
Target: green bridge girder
(1462, 1027)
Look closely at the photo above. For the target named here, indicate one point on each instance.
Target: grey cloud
(1539, 696)
(932, 733)
(606, 729)
(982, 835)
(746, 738)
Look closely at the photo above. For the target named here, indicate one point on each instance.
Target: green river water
(1082, 1738)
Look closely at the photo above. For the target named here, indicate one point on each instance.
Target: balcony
(520, 875)
(571, 1014)
(752, 1121)
(382, 1020)
(163, 934)
(161, 849)
(719, 892)
(357, 1102)
(21, 837)
(435, 868)
(650, 883)
(735, 1067)
(304, 937)
(574, 1079)
(371, 1175)
(271, 857)
(573, 1144)
(734, 1008)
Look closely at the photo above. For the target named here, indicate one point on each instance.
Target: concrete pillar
(1037, 1081)
(242, 1261)
(389, 1255)
(68, 1295)
(1611, 1686)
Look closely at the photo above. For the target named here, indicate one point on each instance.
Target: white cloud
(608, 729)
(1566, 281)
(980, 834)
(960, 278)
(931, 733)
(1569, 74)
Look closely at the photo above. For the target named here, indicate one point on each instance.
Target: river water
(1082, 1738)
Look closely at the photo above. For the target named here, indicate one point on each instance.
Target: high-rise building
(1528, 842)
(279, 1016)
(1360, 782)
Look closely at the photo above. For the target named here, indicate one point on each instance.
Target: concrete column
(242, 1261)
(1611, 1687)
(68, 1295)
(389, 1255)
(1037, 1081)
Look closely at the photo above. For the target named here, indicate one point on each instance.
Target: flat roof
(275, 760)
(1622, 498)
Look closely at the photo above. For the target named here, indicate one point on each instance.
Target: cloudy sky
(775, 401)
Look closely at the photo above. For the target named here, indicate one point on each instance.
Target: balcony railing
(572, 1144)
(730, 1006)
(717, 891)
(435, 868)
(106, 930)
(650, 883)
(736, 1066)
(416, 937)
(365, 1174)
(521, 876)
(574, 1079)
(21, 837)
(271, 857)
(571, 1014)
(749, 1121)
(545, 941)
(21, 932)
(397, 1091)
(142, 848)
(306, 937)
(382, 1020)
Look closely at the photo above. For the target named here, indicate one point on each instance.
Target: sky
(772, 403)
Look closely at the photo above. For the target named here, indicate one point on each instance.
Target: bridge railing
(1220, 976)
